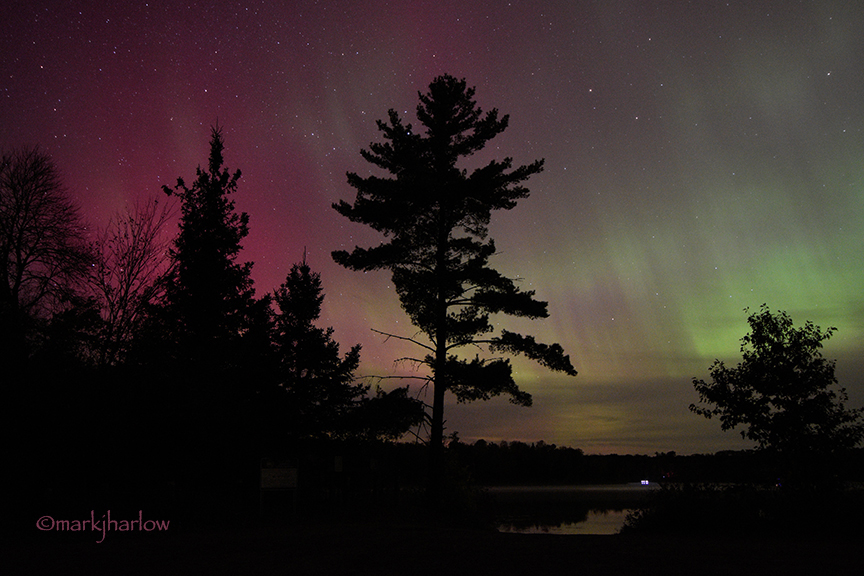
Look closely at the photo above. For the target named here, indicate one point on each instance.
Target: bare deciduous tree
(129, 273)
(46, 258)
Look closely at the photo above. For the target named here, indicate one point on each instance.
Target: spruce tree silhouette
(311, 395)
(435, 216)
(319, 382)
(211, 330)
(209, 294)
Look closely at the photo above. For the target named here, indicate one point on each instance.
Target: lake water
(597, 522)
(595, 509)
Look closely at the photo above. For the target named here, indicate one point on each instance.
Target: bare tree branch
(130, 272)
(405, 338)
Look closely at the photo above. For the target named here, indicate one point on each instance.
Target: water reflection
(603, 522)
(599, 509)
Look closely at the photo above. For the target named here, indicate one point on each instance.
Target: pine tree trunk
(436, 435)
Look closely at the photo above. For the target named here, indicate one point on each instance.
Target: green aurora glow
(701, 158)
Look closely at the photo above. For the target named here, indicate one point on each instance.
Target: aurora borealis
(700, 158)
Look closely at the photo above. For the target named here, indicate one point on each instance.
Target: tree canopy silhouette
(46, 258)
(783, 392)
(435, 216)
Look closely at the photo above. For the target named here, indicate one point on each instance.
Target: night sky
(701, 157)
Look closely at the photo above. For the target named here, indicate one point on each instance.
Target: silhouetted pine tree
(435, 216)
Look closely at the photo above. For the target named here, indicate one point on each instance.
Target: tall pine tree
(435, 216)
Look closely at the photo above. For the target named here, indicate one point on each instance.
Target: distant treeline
(385, 467)
(502, 463)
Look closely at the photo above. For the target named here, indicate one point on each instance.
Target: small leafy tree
(435, 215)
(388, 415)
(783, 392)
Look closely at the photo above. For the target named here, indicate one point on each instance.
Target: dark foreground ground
(381, 550)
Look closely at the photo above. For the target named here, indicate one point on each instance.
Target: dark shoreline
(411, 540)
(382, 549)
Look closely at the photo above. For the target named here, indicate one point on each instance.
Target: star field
(700, 158)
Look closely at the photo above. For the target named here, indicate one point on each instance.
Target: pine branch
(405, 338)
